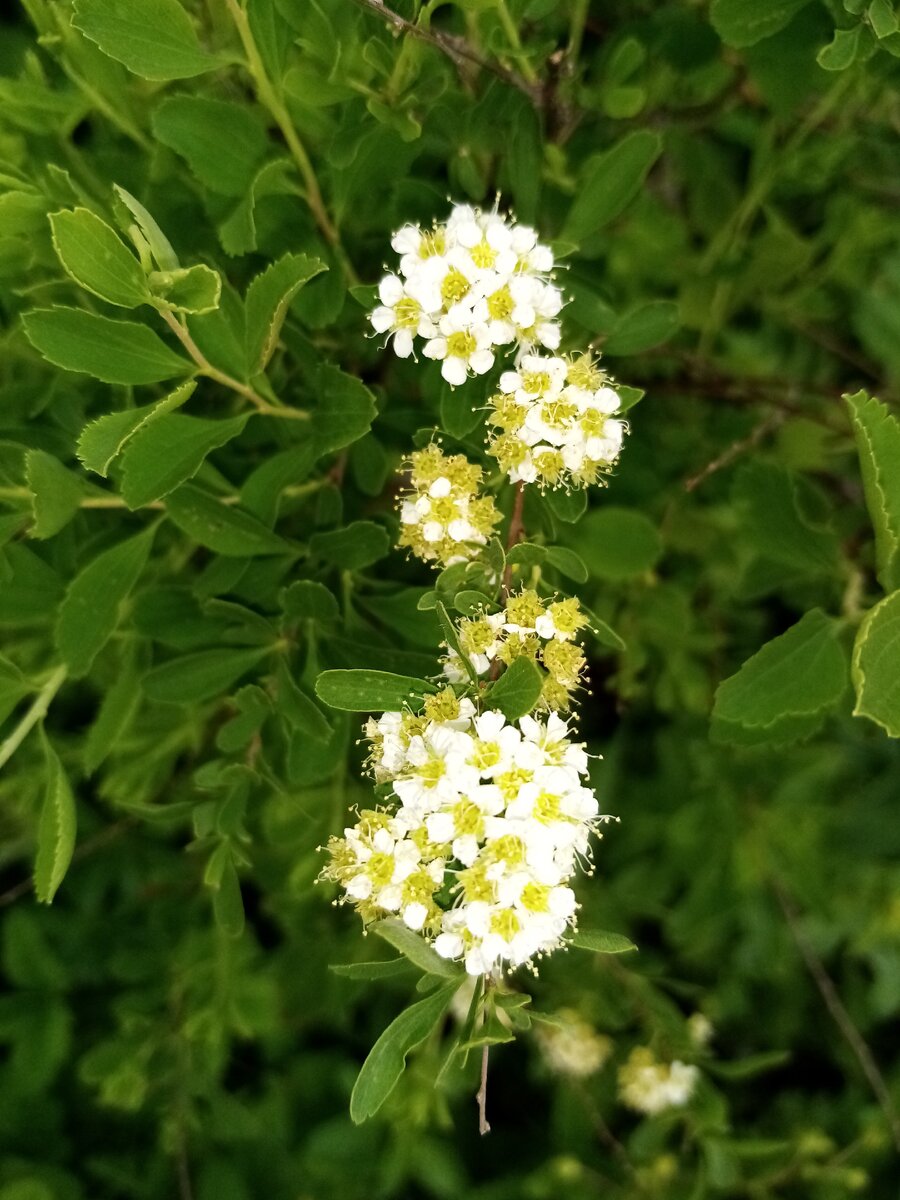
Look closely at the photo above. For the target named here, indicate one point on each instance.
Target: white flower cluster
(492, 821)
(467, 286)
(554, 424)
(444, 519)
(528, 626)
(650, 1086)
(571, 1046)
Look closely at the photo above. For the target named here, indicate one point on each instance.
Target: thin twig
(737, 448)
(457, 49)
(835, 1006)
(515, 532)
(228, 381)
(37, 712)
(481, 1094)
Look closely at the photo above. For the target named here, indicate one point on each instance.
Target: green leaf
(221, 527)
(617, 543)
(160, 247)
(882, 18)
(269, 297)
(345, 410)
(96, 258)
(117, 708)
(568, 563)
(306, 600)
(567, 507)
(517, 690)
(767, 498)
(196, 677)
(238, 232)
(746, 22)
(358, 545)
(228, 904)
(876, 665)
(153, 38)
(752, 1065)
(628, 397)
(610, 182)
(103, 440)
(387, 1058)
(601, 942)
(877, 435)
(222, 143)
(460, 414)
(298, 709)
(414, 947)
(195, 289)
(370, 970)
(112, 351)
(643, 328)
(787, 688)
(370, 691)
(841, 51)
(165, 452)
(56, 493)
(90, 612)
(56, 828)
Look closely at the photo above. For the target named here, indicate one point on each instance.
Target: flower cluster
(650, 1086)
(553, 422)
(467, 286)
(571, 1046)
(443, 518)
(490, 821)
(544, 631)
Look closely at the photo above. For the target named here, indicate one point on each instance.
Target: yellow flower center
(406, 313)
(500, 304)
(460, 345)
(454, 287)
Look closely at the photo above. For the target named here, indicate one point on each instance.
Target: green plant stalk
(37, 712)
(270, 100)
(512, 34)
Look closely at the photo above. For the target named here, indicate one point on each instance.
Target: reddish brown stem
(515, 532)
(481, 1095)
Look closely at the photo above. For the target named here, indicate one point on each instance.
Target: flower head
(443, 517)
(650, 1086)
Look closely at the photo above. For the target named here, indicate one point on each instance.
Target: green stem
(576, 28)
(512, 34)
(228, 381)
(37, 712)
(270, 99)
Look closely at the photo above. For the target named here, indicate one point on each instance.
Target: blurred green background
(721, 182)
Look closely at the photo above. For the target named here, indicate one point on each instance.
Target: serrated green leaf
(103, 440)
(196, 289)
(307, 600)
(97, 259)
(90, 612)
(517, 690)
(112, 351)
(165, 452)
(877, 435)
(789, 685)
(600, 942)
(153, 38)
(746, 22)
(117, 709)
(221, 527)
(269, 297)
(344, 412)
(56, 493)
(200, 676)
(387, 1058)
(364, 690)
(610, 182)
(222, 143)
(414, 947)
(876, 665)
(56, 828)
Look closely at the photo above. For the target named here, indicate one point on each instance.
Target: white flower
(650, 1086)
(401, 315)
(462, 346)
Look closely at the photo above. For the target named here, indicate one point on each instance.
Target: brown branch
(457, 49)
(515, 532)
(835, 1006)
(481, 1094)
(737, 448)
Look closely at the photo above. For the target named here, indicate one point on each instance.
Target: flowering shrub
(348, 579)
